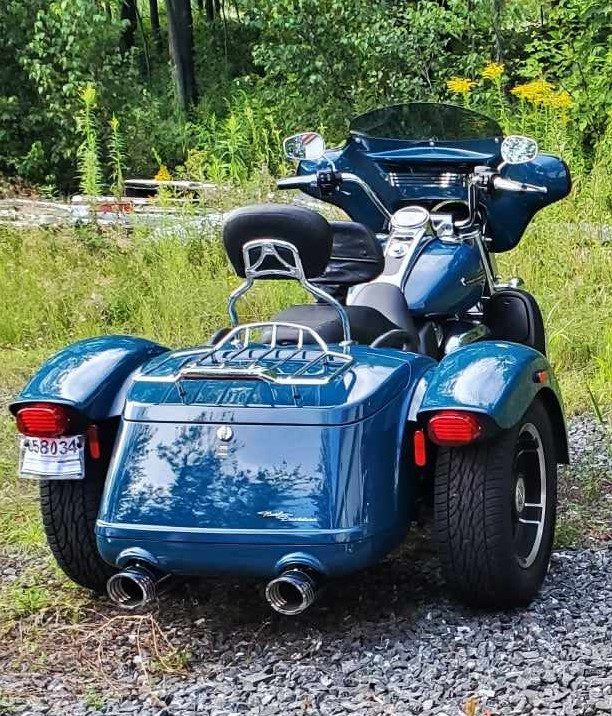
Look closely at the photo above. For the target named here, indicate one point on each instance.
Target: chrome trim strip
(473, 280)
(224, 530)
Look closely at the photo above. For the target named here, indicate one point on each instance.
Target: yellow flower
(460, 85)
(561, 100)
(493, 71)
(520, 91)
(163, 174)
(536, 91)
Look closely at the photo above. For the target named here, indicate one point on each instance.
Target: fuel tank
(247, 476)
(446, 279)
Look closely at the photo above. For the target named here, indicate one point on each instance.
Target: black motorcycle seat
(366, 323)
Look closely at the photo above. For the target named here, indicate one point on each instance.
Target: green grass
(63, 285)
(60, 286)
(39, 591)
(570, 272)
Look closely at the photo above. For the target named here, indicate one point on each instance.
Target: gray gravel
(388, 642)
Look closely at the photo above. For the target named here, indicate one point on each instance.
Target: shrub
(52, 51)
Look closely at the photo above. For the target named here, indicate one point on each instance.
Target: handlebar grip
(502, 184)
(296, 182)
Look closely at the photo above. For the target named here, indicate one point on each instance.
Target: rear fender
(500, 380)
(91, 376)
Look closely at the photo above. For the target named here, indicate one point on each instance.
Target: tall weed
(90, 171)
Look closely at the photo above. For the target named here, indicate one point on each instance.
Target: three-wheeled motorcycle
(301, 447)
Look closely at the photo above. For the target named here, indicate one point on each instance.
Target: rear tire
(69, 511)
(494, 542)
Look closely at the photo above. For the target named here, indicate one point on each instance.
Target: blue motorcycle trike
(300, 448)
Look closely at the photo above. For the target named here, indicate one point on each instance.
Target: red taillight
(43, 420)
(453, 428)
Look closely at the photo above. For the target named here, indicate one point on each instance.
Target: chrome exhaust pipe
(133, 587)
(292, 592)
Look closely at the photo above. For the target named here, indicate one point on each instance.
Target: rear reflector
(453, 428)
(94, 442)
(420, 449)
(43, 420)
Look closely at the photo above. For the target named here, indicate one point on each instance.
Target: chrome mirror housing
(516, 149)
(307, 145)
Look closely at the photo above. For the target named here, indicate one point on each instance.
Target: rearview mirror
(307, 145)
(517, 149)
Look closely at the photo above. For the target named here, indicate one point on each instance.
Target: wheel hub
(529, 508)
(519, 495)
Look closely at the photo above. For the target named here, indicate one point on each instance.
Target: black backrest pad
(513, 314)
(308, 231)
(356, 257)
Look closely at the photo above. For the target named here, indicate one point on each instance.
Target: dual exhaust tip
(133, 587)
(290, 593)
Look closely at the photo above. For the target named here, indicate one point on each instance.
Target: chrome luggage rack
(236, 356)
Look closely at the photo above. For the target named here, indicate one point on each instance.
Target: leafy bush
(269, 68)
(55, 48)
(337, 58)
(573, 47)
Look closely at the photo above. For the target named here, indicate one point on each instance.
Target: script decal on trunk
(285, 516)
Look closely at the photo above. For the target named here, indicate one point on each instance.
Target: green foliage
(50, 51)
(574, 48)
(274, 67)
(337, 58)
(237, 145)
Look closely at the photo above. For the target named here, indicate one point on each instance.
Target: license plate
(52, 458)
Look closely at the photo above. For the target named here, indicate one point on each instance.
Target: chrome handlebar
(502, 184)
(297, 182)
(478, 179)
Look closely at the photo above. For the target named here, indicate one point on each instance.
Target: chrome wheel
(529, 503)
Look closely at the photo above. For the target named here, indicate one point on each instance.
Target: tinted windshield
(423, 121)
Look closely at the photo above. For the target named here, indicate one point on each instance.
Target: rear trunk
(246, 476)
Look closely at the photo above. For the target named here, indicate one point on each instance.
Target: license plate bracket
(52, 458)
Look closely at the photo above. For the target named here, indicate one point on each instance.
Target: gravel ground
(387, 642)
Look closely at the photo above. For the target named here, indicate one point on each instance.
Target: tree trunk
(128, 12)
(180, 34)
(155, 28)
(210, 10)
(496, 12)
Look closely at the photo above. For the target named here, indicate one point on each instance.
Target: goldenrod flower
(460, 85)
(493, 71)
(536, 91)
(520, 91)
(163, 174)
(561, 100)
